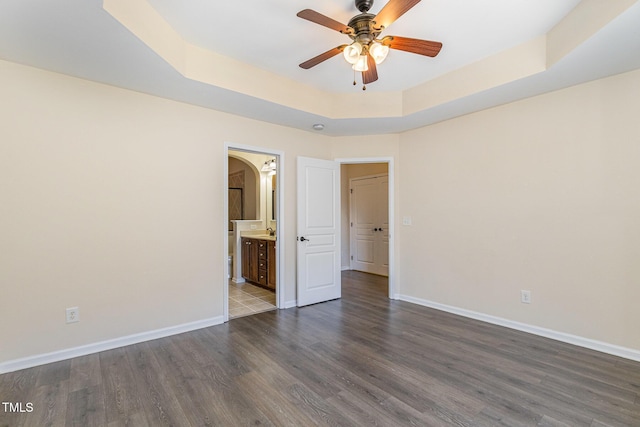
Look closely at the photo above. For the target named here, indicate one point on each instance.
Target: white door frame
(392, 233)
(280, 283)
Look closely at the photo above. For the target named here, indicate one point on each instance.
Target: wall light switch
(406, 220)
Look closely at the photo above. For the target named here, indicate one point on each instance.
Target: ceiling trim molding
(519, 62)
(586, 19)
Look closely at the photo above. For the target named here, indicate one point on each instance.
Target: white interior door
(318, 231)
(370, 225)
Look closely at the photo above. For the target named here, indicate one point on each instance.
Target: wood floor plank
(122, 405)
(157, 399)
(359, 360)
(356, 410)
(18, 387)
(271, 401)
(85, 372)
(85, 407)
(314, 406)
(184, 377)
(50, 404)
(54, 373)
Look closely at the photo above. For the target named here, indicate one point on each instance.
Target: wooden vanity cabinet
(258, 261)
(271, 264)
(249, 259)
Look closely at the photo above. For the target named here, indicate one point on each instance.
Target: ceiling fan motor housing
(361, 25)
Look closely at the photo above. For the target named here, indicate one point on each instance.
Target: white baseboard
(56, 356)
(290, 304)
(600, 346)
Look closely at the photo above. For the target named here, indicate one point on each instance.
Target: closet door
(370, 225)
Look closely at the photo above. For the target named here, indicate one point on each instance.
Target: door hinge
(351, 191)
(351, 257)
(352, 224)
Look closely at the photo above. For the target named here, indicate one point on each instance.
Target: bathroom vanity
(259, 260)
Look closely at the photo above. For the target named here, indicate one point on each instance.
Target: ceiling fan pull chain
(354, 77)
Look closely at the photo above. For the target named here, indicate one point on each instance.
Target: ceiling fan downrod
(364, 5)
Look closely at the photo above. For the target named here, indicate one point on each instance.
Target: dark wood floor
(361, 360)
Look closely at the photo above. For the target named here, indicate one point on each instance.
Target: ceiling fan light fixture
(361, 64)
(365, 50)
(352, 52)
(379, 52)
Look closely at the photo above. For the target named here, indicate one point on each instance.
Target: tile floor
(246, 299)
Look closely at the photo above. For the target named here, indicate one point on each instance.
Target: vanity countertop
(259, 236)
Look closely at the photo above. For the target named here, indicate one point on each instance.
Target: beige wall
(112, 201)
(543, 195)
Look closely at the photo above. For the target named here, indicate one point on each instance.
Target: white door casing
(369, 238)
(318, 242)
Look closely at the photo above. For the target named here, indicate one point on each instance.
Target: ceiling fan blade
(391, 11)
(421, 47)
(320, 19)
(322, 57)
(371, 75)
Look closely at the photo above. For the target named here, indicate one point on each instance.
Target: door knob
(303, 239)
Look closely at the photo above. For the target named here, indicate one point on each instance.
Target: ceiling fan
(367, 50)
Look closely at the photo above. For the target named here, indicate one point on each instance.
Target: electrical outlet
(525, 297)
(73, 314)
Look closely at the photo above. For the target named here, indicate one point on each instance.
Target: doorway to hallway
(376, 212)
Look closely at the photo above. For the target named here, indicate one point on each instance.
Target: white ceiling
(269, 35)
(79, 38)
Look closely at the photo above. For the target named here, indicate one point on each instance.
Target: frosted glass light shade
(352, 52)
(379, 52)
(361, 64)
